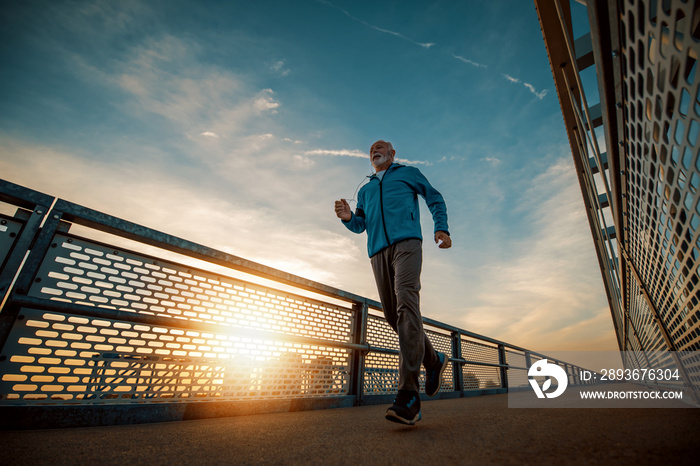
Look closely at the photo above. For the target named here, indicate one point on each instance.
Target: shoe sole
(442, 371)
(393, 417)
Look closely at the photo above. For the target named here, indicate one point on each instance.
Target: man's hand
(442, 239)
(342, 210)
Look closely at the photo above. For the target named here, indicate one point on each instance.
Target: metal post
(22, 245)
(36, 256)
(504, 370)
(14, 263)
(457, 374)
(357, 363)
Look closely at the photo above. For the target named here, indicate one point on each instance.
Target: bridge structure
(628, 90)
(105, 322)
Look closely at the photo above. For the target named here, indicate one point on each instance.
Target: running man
(387, 208)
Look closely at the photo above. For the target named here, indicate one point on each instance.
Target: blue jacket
(388, 209)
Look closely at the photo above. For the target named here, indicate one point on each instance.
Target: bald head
(381, 142)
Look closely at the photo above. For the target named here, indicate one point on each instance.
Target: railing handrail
(91, 218)
(23, 197)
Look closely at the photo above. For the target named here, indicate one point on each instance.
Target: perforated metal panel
(675, 364)
(63, 358)
(478, 377)
(87, 273)
(382, 369)
(516, 377)
(691, 362)
(442, 343)
(380, 334)
(381, 375)
(660, 45)
(649, 336)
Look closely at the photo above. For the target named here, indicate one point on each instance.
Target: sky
(237, 124)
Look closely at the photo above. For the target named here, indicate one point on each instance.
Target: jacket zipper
(381, 206)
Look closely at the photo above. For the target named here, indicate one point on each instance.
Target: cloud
(191, 96)
(206, 213)
(540, 95)
(303, 162)
(204, 165)
(425, 45)
(279, 68)
(338, 153)
(452, 158)
(265, 101)
(358, 154)
(530, 87)
(412, 162)
(493, 161)
(470, 62)
(545, 292)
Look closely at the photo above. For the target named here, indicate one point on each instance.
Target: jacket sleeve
(434, 199)
(356, 224)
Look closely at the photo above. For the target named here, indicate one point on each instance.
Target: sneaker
(406, 408)
(433, 377)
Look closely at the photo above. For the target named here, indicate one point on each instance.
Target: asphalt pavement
(475, 430)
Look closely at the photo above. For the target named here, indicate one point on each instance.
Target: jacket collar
(393, 165)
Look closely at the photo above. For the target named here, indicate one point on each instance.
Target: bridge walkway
(476, 430)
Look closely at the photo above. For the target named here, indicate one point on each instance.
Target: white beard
(380, 161)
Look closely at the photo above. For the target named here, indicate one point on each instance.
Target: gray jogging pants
(397, 273)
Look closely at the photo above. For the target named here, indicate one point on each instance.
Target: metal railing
(87, 322)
